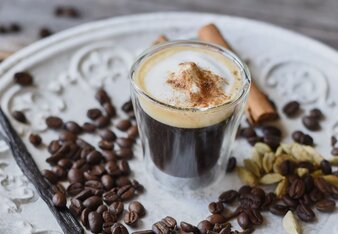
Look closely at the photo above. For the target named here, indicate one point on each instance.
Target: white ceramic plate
(69, 66)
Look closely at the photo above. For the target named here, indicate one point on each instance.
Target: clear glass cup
(192, 154)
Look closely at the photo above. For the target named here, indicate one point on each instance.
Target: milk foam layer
(152, 78)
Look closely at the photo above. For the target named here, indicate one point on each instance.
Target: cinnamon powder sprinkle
(201, 87)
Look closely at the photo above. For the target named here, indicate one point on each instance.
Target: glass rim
(223, 51)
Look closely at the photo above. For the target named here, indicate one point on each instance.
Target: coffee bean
(93, 184)
(333, 141)
(232, 162)
(107, 135)
(268, 201)
(92, 202)
(143, 232)
(215, 207)
(108, 217)
(124, 142)
(306, 140)
(127, 106)
(245, 189)
(222, 228)
(54, 122)
(160, 228)
(59, 172)
(272, 141)
(326, 205)
(94, 113)
(296, 189)
(116, 208)
(255, 216)
(76, 207)
(45, 32)
(66, 136)
(243, 220)
(54, 146)
(102, 208)
(19, 116)
(66, 11)
(229, 196)
(216, 218)
(309, 183)
(311, 123)
(23, 79)
(94, 157)
(279, 210)
(130, 218)
(118, 228)
(73, 127)
(107, 181)
(123, 125)
(136, 185)
(109, 109)
(323, 185)
(35, 139)
(126, 192)
(50, 176)
(84, 217)
(110, 197)
(84, 194)
(123, 166)
(325, 166)
(112, 168)
(102, 122)
(253, 140)
(296, 136)
(75, 175)
(334, 191)
(287, 167)
(272, 131)
(15, 27)
(287, 200)
(204, 226)
(250, 201)
(248, 132)
(88, 127)
(74, 188)
(124, 153)
(291, 109)
(187, 227)
(59, 200)
(95, 222)
(58, 188)
(316, 113)
(170, 222)
(334, 151)
(137, 207)
(132, 132)
(305, 213)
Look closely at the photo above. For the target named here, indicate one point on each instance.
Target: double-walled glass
(187, 146)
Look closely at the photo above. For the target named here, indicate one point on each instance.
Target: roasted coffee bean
(88, 176)
(250, 201)
(161, 228)
(305, 213)
(84, 217)
(88, 127)
(224, 228)
(287, 167)
(122, 181)
(94, 157)
(243, 220)
(76, 207)
(296, 189)
(73, 127)
(95, 222)
(50, 176)
(229, 196)
(316, 195)
(92, 202)
(126, 192)
(255, 216)
(334, 191)
(59, 200)
(248, 132)
(291, 109)
(107, 182)
(75, 175)
(102, 122)
(54, 122)
(132, 132)
(253, 140)
(169, 222)
(102, 208)
(323, 186)
(334, 151)
(81, 165)
(60, 153)
(108, 217)
(66, 11)
(124, 153)
(309, 183)
(35, 139)
(333, 141)
(204, 226)
(118, 228)
(45, 32)
(123, 125)
(137, 207)
(110, 197)
(94, 113)
(268, 201)
(74, 188)
(66, 136)
(116, 208)
(311, 123)
(136, 185)
(216, 218)
(272, 131)
(279, 210)
(123, 166)
(54, 146)
(187, 227)
(127, 106)
(19, 116)
(125, 142)
(316, 113)
(272, 141)
(93, 184)
(106, 145)
(287, 200)
(326, 205)
(297, 135)
(245, 189)
(215, 207)
(107, 135)
(102, 96)
(59, 172)
(84, 194)
(109, 109)
(143, 232)
(23, 79)
(232, 162)
(258, 192)
(306, 140)
(112, 168)
(325, 166)
(58, 188)
(130, 218)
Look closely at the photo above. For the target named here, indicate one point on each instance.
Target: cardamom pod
(291, 224)
(268, 161)
(271, 178)
(332, 179)
(252, 166)
(246, 176)
(281, 188)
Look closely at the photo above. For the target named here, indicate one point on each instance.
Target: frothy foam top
(188, 77)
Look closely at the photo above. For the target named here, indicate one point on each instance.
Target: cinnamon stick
(259, 108)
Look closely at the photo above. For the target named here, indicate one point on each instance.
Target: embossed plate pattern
(69, 66)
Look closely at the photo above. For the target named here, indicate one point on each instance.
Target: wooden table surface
(315, 18)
